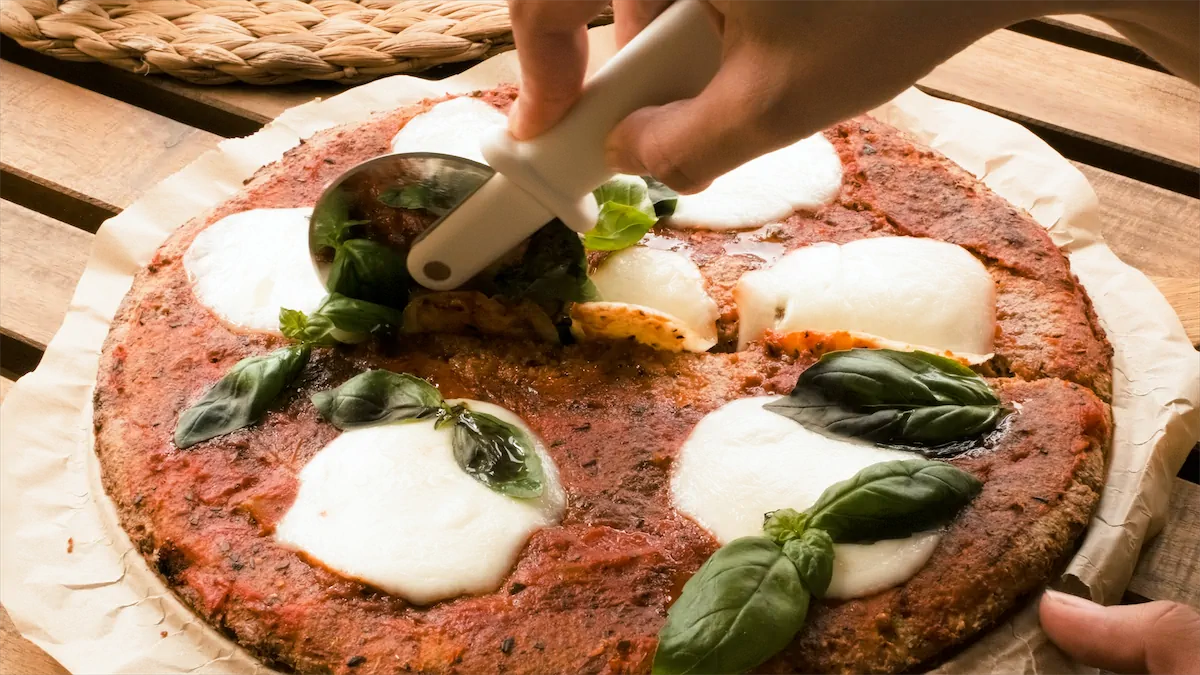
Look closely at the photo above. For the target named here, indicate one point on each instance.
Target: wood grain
(1102, 99)
(40, 262)
(1184, 297)
(1155, 230)
(67, 136)
(1170, 565)
(19, 656)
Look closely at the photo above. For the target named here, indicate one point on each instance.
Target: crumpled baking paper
(100, 608)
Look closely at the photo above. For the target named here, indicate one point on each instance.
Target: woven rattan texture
(262, 41)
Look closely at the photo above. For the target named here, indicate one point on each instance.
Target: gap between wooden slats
(1090, 35)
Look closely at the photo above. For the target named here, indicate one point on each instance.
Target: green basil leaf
(885, 377)
(891, 500)
(664, 198)
(744, 605)
(378, 396)
(620, 226)
(626, 190)
(312, 330)
(331, 220)
(626, 214)
(886, 396)
(357, 317)
(552, 271)
(930, 426)
(242, 396)
(418, 196)
(784, 525)
(367, 270)
(812, 554)
(497, 454)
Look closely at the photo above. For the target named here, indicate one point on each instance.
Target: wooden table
(83, 141)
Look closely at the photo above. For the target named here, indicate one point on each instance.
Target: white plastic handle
(554, 174)
(674, 58)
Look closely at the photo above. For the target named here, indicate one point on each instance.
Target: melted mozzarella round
(653, 296)
(452, 127)
(389, 505)
(803, 176)
(741, 462)
(245, 267)
(914, 293)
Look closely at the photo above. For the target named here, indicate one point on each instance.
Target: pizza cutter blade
(436, 182)
(552, 176)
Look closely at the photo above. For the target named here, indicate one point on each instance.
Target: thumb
(688, 143)
(1156, 637)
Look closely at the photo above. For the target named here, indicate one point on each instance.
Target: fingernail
(514, 115)
(1069, 600)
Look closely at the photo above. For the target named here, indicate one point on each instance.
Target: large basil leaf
(812, 554)
(331, 220)
(887, 396)
(378, 396)
(886, 377)
(552, 271)
(497, 454)
(891, 500)
(242, 396)
(664, 198)
(367, 270)
(744, 605)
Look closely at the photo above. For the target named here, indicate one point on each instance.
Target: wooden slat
(1094, 97)
(1155, 230)
(1170, 566)
(1088, 25)
(66, 137)
(40, 262)
(19, 656)
(1184, 296)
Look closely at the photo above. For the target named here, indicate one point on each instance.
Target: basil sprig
(242, 396)
(748, 601)
(338, 319)
(490, 450)
(430, 198)
(626, 214)
(664, 198)
(887, 396)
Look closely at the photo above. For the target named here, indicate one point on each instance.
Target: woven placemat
(262, 41)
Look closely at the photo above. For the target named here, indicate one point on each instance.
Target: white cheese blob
(245, 267)
(665, 291)
(803, 176)
(910, 292)
(742, 461)
(452, 127)
(390, 506)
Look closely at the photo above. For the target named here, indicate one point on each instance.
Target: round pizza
(839, 412)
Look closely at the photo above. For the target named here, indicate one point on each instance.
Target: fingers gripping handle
(674, 58)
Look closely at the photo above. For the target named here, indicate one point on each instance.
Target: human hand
(1155, 637)
(789, 69)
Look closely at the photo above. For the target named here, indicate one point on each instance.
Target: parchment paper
(99, 609)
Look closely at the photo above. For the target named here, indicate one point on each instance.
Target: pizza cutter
(492, 209)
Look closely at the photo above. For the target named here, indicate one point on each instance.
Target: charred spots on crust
(171, 562)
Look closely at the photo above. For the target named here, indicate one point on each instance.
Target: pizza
(571, 463)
